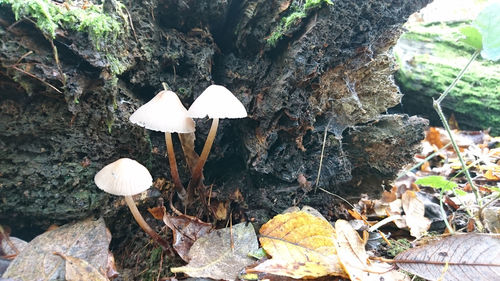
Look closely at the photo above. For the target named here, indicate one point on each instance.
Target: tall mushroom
(127, 177)
(165, 113)
(215, 102)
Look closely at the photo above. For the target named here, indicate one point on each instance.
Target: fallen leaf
(492, 176)
(80, 270)
(470, 256)
(389, 196)
(214, 256)
(433, 136)
(354, 259)
(186, 230)
(382, 209)
(284, 5)
(452, 122)
(414, 210)
(219, 209)
(301, 246)
(86, 240)
(7, 249)
(157, 212)
(491, 218)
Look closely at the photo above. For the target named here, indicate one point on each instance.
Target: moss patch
(102, 28)
(297, 11)
(430, 57)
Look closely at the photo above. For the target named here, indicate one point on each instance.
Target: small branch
(33, 76)
(459, 76)
(56, 58)
(437, 107)
(439, 111)
(321, 157)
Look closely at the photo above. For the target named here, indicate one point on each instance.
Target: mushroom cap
(124, 177)
(217, 102)
(164, 113)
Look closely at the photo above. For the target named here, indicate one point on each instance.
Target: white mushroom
(215, 102)
(165, 113)
(127, 177)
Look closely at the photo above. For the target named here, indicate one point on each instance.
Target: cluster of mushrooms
(165, 113)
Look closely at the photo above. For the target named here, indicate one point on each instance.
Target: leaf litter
(86, 240)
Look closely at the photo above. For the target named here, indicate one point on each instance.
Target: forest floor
(410, 215)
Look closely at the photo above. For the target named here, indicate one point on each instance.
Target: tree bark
(331, 68)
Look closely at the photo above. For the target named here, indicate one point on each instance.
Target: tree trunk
(329, 69)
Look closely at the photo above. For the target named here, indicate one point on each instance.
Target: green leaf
(436, 182)
(472, 37)
(460, 192)
(488, 24)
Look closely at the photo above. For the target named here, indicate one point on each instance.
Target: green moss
(102, 29)
(297, 12)
(398, 246)
(433, 68)
(49, 16)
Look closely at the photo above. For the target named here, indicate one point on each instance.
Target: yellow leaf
(354, 259)
(301, 246)
(490, 175)
(80, 270)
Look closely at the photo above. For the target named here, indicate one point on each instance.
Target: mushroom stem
(197, 172)
(173, 167)
(143, 224)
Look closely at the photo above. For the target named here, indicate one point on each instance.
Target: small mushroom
(165, 113)
(215, 102)
(126, 177)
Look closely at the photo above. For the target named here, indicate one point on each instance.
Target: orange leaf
(426, 167)
(434, 137)
(157, 212)
(301, 246)
(489, 175)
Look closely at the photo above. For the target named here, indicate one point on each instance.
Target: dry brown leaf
(354, 259)
(157, 212)
(433, 136)
(222, 253)
(301, 246)
(414, 214)
(283, 6)
(186, 230)
(219, 209)
(382, 209)
(389, 196)
(88, 240)
(473, 256)
(80, 270)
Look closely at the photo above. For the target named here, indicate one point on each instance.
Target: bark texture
(330, 69)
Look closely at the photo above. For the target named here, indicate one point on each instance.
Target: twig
(23, 56)
(56, 58)
(321, 157)
(443, 212)
(33, 76)
(437, 107)
(338, 196)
